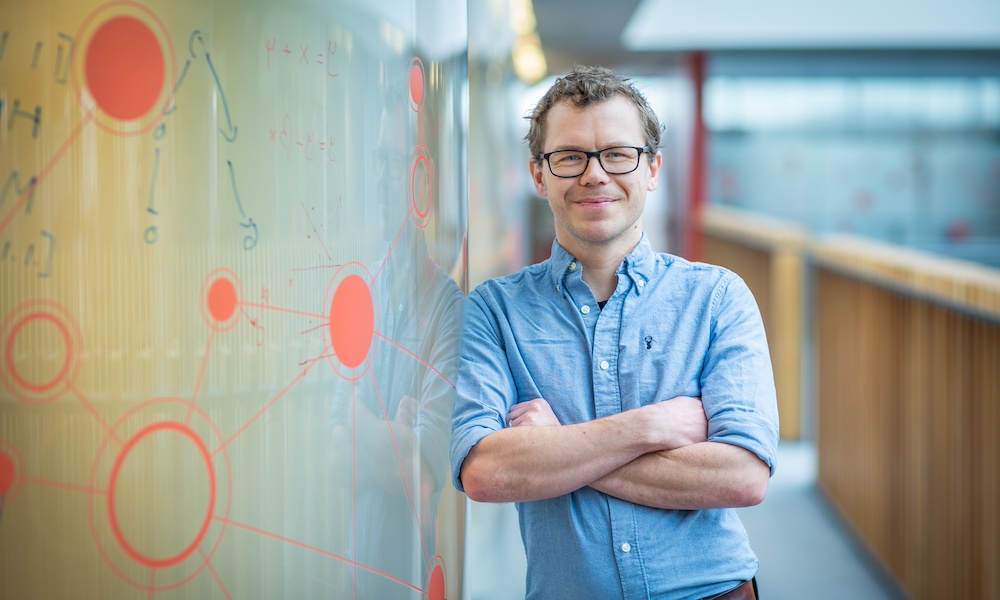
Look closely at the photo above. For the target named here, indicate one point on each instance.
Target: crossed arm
(656, 455)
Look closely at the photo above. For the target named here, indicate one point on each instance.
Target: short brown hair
(586, 86)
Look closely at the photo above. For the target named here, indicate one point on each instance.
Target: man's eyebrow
(582, 149)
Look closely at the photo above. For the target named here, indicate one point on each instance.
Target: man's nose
(594, 171)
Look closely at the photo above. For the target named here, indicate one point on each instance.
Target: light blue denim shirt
(671, 328)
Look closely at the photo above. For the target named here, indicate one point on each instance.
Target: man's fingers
(533, 412)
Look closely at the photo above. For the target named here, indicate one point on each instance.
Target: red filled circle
(435, 589)
(416, 83)
(124, 68)
(352, 321)
(7, 473)
(153, 562)
(222, 300)
(9, 351)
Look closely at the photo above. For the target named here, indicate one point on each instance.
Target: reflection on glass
(229, 260)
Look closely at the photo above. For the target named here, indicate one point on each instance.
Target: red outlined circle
(350, 334)
(7, 473)
(10, 466)
(436, 586)
(124, 68)
(221, 294)
(421, 185)
(9, 352)
(124, 74)
(20, 333)
(415, 84)
(129, 564)
(159, 563)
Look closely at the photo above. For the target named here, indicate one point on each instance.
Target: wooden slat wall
(908, 354)
(767, 254)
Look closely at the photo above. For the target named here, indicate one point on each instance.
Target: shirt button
(585, 310)
(640, 283)
(626, 547)
(604, 367)
(572, 266)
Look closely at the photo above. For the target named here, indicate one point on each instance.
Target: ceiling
(962, 41)
(589, 32)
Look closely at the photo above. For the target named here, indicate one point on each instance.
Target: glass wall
(232, 268)
(896, 154)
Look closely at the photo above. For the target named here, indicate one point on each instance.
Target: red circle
(418, 195)
(416, 82)
(7, 473)
(435, 589)
(222, 300)
(44, 387)
(158, 563)
(125, 68)
(352, 321)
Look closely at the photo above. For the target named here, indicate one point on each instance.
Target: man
(623, 399)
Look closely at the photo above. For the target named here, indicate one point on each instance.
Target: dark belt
(744, 591)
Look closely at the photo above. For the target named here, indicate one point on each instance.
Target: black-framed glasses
(617, 160)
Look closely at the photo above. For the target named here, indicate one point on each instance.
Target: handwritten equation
(64, 47)
(13, 111)
(308, 145)
(299, 54)
(36, 255)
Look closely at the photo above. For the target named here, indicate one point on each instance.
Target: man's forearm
(524, 464)
(699, 476)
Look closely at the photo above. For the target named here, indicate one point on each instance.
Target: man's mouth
(594, 201)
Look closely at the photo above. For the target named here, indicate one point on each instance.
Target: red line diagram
(122, 81)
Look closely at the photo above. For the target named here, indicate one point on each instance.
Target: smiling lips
(594, 201)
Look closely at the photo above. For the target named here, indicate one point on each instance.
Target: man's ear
(655, 164)
(538, 176)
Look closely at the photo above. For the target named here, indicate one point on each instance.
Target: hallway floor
(804, 548)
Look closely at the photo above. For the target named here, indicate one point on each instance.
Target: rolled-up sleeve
(737, 383)
(484, 390)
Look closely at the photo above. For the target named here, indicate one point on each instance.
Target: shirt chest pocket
(656, 369)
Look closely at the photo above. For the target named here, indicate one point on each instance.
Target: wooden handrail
(955, 282)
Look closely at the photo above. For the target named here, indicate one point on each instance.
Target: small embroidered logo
(649, 342)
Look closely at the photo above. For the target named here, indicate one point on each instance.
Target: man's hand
(408, 411)
(535, 412)
(681, 421)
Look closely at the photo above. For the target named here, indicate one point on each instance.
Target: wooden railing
(906, 391)
(767, 254)
(908, 407)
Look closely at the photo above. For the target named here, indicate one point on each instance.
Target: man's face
(596, 209)
(391, 169)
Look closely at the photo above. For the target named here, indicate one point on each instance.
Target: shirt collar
(637, 266)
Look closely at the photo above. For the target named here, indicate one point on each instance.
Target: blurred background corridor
(845, 160)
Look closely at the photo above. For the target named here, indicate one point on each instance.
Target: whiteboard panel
(231, 277)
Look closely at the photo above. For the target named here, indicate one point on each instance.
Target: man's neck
(600, 265)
